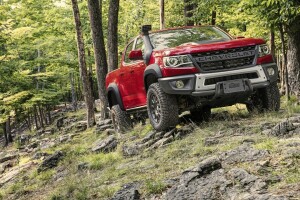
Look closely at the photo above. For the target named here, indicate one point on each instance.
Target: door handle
(122, 74)
(132, 71)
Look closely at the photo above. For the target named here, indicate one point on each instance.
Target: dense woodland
(60, 51)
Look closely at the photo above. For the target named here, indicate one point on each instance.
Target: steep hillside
(234, 156)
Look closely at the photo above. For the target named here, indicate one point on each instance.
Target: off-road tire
(200, 115)
(265, 99)
(166, 108)
(121, 120)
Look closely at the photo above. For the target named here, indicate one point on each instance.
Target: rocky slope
(235, 156)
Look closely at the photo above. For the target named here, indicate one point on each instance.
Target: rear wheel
(121, 120)
(162, 108)
(202, 114)
(265, 99)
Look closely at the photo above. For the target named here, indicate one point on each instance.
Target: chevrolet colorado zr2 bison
(192, 69)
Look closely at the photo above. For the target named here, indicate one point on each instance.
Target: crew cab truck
(192, 69)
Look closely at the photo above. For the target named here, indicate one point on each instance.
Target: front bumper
(208, 84)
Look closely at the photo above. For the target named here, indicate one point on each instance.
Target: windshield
(187, 36)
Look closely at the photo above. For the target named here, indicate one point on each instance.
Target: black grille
(212, 81)
(225, 59)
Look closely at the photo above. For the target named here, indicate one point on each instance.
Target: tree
(95, 13)
(112, 35)
(162, 14)
(82, 66)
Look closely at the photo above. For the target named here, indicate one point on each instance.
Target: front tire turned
(121, 120)
(265, 99)
(162, 108)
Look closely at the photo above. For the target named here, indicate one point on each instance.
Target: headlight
(177, 61)
(263, 50)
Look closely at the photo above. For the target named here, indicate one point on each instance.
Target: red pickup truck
(192, 69)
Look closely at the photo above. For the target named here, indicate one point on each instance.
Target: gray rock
(51, 161)
(64, 138)
(109, 131)
(159, 135)
(170, 133)
(8, 157)
(128, 192)
(243, 153)
(129, 151)
(162, 142)
(104, 122)
(39, 155)
(205, 167)
(106, 145)
(235, 184)
(282, 128)
(49, 131)
(210, 141)
(81, 126)
(24, 139)
(103, 128)
(148, 137)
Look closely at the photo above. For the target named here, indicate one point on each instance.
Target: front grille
(225, 59)
(212, 81)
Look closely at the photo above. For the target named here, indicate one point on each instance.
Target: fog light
(271, 71)
(179, 84)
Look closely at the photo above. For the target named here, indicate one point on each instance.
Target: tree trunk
(35, 117)
(188, 12)
(112, 37)
(5, 134)
(48, 110)
(272, 43)
(284, 62)
(74, 98)
(213, 17)
(162, 14)
(82, 67)
(293, 56)
(41, 116)
(8, 130)
(95, 14)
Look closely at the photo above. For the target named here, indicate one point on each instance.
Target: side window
(139, 44)
(128, 49)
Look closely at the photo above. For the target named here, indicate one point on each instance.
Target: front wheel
(121, 120)
(162, 108)
(265, 99)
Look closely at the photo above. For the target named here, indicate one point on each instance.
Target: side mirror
(239, 37)
(136, 55)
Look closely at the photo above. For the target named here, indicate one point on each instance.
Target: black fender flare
(113, 89)
(152, 69)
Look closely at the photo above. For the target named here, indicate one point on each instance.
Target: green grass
(154, 186)
(108, 172)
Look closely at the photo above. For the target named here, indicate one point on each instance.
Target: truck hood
(190, 48)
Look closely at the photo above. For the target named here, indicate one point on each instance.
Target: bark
(188, 12)
(48, 108)
(95, 14)
(293, 56)
(8, 130)
(5, 134)
(41, 116)
(87, 93)
(284, 62)
(162, 14)
(74, 98)
(213, 17)
(112, 38)
(35, 117)
(272, 43)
